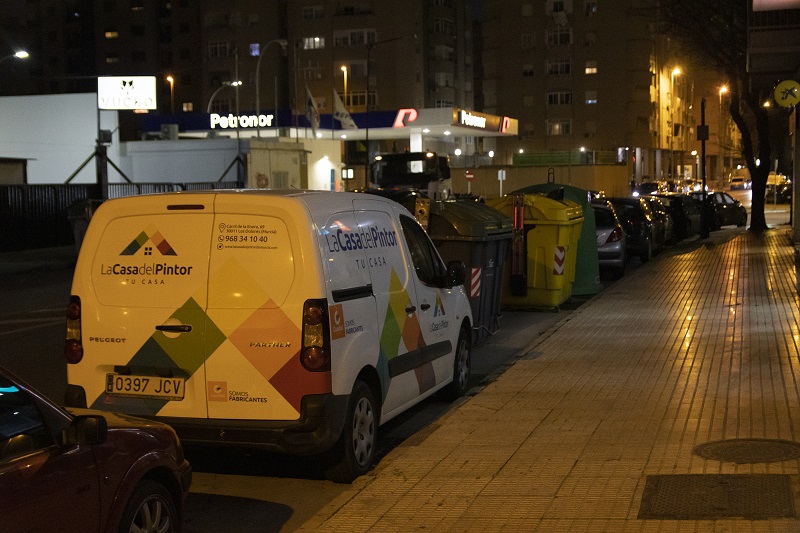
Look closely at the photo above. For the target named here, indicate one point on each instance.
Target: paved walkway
(596, 425)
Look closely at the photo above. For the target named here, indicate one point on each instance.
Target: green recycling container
(587, 267)
(479, 236)
(545, 233)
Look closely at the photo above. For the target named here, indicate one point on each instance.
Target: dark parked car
(640, 227)
(726, 210)
(662, 217)
(611, 241)
(685, 211)
(82, 470)
(779, 194)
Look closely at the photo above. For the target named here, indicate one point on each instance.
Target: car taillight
(615, 235)
(73, 349)
(315, 353)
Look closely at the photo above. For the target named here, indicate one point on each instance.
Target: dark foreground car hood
(120, 420)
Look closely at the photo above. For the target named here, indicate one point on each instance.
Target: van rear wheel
(353, 454)
(462, 366)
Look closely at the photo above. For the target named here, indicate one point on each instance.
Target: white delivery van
(296, 321)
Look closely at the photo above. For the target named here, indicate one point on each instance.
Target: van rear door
(264, 265)
(143, 300)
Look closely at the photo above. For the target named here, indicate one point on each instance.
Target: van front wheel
(353, 453)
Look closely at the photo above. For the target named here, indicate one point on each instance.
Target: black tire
(647, 253)
(462, 367)
(742, 221)
(150, 508)
(353, 454)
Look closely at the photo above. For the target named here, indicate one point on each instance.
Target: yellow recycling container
(544, 248)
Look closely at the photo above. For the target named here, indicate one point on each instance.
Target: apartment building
(590, 83)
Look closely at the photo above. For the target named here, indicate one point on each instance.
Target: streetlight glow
(344, 70)
(171, 81)
(20, 54)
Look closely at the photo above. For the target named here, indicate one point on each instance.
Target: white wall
(56, 133)
(186, 160)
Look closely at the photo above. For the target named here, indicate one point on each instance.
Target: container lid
(466, 219)
(539, 207)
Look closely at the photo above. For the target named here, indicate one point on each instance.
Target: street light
(22, 54)
(282, 43)
(675, 72)
(344, 70)
(215, 93)
(171, 81)
(722, 134)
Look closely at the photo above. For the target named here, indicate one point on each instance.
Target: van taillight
(315, 354)
(73, 349)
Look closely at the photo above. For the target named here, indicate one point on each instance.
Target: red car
(82, 470)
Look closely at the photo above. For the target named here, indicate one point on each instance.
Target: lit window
(112, 59)
(590, 7)
(591, 67)
(313, 43)
(111, 34)
(591, 97)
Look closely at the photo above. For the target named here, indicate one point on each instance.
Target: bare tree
(714, 35)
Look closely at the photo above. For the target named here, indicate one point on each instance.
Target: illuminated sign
(475, 120)
(404, 116)
(126, 92)
(770, 5)
(481, 121)
(241, 121)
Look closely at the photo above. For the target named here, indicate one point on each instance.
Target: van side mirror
(456, 273)
(86, 429)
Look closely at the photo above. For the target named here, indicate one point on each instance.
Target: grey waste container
(479, 236)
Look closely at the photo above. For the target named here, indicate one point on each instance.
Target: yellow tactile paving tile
(700, 345)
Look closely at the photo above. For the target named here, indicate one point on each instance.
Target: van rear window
(152, 260)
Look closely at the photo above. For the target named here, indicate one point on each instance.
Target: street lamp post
(215, 93)
(722, 134)
(344, 70)
(282, 43)
(171, 81)
(675, 72)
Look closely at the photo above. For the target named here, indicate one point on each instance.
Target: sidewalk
(669, 402)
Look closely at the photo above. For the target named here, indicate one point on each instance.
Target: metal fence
(38, 216)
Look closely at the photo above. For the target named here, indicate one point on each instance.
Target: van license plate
(145, 387)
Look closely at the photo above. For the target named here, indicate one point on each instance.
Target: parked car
(739, 183)
(642, 237)
(611, 241)
(662, 217)
(82, 470)
(685, 211)
(779, 194)
(726, 210)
